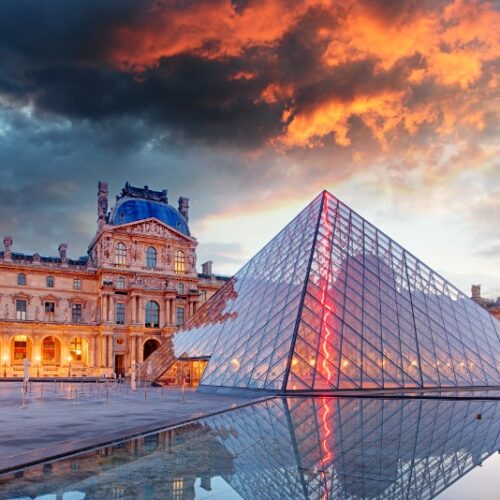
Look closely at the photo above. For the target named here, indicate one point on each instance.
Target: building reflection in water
(321, 448)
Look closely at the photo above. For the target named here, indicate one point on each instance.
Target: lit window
(21, 308)
(179, 316)
(152, 314)
(50, 308)
(180, 288)
(50, 281)
(179, 262)
(120, 254)
(77, 284)
(151, 258)
(76, 350)
(21, 279)
(120, 313)
(120, 282)
(203, 295)
(76, 313)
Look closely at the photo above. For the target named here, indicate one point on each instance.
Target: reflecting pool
(318, 448)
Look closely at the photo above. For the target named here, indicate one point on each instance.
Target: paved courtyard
(58, 418)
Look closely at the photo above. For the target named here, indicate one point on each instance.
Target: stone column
(139, 349)
(172, 311)
(168, 314)
(133, 342)
(110, 351)
(91, 351)
(103, 350)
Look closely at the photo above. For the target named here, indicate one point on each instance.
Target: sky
(250, 108)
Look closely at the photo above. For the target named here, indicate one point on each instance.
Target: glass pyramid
(332, 303)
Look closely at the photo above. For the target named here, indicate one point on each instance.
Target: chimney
(63, 247)
(184, 207)
(206, 268)
(102, 203)
(475, 291)
(7, 243)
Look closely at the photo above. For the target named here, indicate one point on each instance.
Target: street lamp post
(38, 358)
(69, 365)
(5, 366)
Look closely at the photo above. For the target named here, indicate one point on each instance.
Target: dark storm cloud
(209, 96)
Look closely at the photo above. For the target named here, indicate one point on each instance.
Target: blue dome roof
(134, 209)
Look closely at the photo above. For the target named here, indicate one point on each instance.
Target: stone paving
(58, 418)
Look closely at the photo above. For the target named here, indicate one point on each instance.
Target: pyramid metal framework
(332, 303)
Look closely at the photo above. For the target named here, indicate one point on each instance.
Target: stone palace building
(105, 312)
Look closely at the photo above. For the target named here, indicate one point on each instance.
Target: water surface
(318, 448)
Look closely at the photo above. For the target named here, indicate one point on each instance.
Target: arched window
(180, 262)
(152, 314)
(151, 257)
(21, 279)
(120, 254)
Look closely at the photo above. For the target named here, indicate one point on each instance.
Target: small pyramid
(331, 303)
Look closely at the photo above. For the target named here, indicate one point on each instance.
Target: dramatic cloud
(252, 105)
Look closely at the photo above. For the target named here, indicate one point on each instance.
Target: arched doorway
(51, 351)
(149, 347)
(21, 348)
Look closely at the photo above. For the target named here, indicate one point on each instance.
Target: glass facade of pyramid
(332, 303)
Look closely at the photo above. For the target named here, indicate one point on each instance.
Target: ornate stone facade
(105, 312)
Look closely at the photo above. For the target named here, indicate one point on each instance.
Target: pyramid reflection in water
(296, 448)
(332, 303)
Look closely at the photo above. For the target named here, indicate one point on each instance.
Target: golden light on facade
(312, 361)
(345, 363)
(294, 362)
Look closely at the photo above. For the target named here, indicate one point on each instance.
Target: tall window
(76, 313)
(120, 313)
(50, 281)
(203, 295)
(120, 282)
(77, 284)
(180, 288)
(180, 262)
(120, 254)
(21, 279)
(152, 314)
(151, 257)
(50, 309)
(179, 316)
(21, 308)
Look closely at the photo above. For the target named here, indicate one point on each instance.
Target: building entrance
(120, 365)
(186, 372)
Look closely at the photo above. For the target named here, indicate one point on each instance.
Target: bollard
(30, 386)
(23, 397)
(162, 392)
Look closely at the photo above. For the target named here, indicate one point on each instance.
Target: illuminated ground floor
(74, 351)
